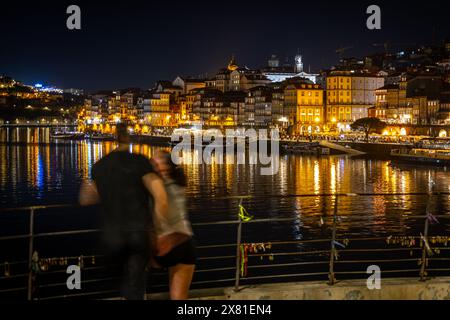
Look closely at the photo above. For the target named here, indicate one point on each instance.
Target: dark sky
(134, 43)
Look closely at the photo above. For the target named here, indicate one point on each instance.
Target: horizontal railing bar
(288, 253)
(424, 216)
(13, 289)
(298, 241)
(288, 264)
(375, 238)
(15, 276)
(50, 285)
(89, 256)
(395, 271)
(15, 237)
(197, 224)
(79, 295)
(383, 271)
(215, 269)
(50, 234)
(251, 221)
(13, 263)
(64, 270)
(368, 217)
(286, 275)
(376, 261)
(40, 207)
(213, 281)
(290, 242)
(213, 246)
(438, 269)
(277, 219)
(217, 257)
(64, 233)
(303, 218)
(197, 282)
(341, 250)
(84, 231)
(380, 250)
(45, 273)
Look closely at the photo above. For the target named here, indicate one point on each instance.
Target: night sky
(134, 44)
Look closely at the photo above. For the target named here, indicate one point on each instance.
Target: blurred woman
(174, 248)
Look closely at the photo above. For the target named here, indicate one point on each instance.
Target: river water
(40, 174)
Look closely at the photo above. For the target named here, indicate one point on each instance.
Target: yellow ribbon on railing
(243, 214)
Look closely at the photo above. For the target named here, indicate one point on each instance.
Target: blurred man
(126, 186)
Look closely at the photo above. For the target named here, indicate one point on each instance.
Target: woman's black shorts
(184, 253)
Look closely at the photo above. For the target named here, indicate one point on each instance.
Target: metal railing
(327, 249)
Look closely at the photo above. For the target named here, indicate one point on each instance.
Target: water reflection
(25, 134)
(51, 173)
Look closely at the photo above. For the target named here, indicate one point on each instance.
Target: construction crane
(340, 51)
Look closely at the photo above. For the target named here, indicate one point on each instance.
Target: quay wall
(162, 141)
(375, 149)
(391, 289)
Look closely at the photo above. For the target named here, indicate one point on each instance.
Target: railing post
(423, 272)
(238, 251)
(424, 241)
(30, 254)
(331, 277)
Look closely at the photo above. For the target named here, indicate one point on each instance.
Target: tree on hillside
(368, 126)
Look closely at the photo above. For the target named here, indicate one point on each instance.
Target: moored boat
(102, 136)
(306, 148)
(440, 157)
(66, 135)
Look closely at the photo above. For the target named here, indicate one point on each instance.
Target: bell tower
(298, 63)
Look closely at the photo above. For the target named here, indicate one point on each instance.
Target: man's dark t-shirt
(124, 198)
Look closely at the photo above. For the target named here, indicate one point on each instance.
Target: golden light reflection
(4, 159)
(284, 167)
(40, 165)
(333, 177)
(317, 188)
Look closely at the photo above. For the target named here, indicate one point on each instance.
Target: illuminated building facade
(305, 105)
(258, 107)
(349, 96)
(278, 107)
(215, 108)
(235, 78)
(415, 100)
(160, 110)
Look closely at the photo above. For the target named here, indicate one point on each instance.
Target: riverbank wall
(378, 150)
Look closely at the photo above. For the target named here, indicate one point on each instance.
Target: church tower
(232, 64)
(298, 63)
